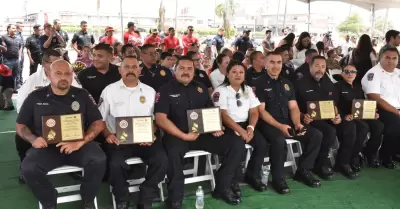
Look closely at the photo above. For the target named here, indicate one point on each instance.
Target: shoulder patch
(370, 76)
(157, 97)
(216, 97)
(91, 98)
(101, 100)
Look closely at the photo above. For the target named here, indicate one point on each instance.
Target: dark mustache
(185, 75)
(128, 74)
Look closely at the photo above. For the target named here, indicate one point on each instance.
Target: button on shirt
(174, 99)
(307, 89)
(225, 98)
(35, 81)
(216, 78)
(202, 77)
(43, 102)
(276, 95)
(346, 94)
(254, 78)
(95, 81)
(156, 76)
(378, 81)
(118, 100)
(82, 39)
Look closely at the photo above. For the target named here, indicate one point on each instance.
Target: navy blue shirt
(33, 44)
(156, 76)
(174, 99)
(219, 42)
(202, 77)
(43, 102)
(346, 94)
(254, 78)
(54, 42)
(243, 44)
(276, 95)
(82, 39)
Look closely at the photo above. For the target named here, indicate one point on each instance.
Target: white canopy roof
(367, 4)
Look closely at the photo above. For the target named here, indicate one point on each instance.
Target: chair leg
(195, 166)
(160, 186)
(248, 155)
(216, 161)
(211, 173)
(291, 158)
(95, 202)
(113, 200)
(40, 206)
(299, 149)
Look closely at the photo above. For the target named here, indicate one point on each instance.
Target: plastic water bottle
(199, 198)
(264, 175)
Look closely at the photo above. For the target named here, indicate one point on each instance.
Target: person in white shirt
(218, 73)
(239, 112)
(36, 80)
(131, 98)
(303, 43)
(346, 45)
(381, 83)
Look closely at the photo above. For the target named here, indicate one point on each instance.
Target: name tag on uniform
(345, 92)
(42, 104)
(309, 90)
(90, 77)
(268, 89)
(175, 95)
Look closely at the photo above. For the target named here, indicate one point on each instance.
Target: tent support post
(309, 16)
(122, 20)
(372, 20)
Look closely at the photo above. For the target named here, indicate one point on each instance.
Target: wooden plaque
(321, 110)
(134, 130)
(205, 120)
(363, 109)
(62, 128)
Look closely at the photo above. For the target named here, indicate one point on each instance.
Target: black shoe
(21, 179)
(236, 190)
(324, 172)
(281, 186)
(307, 178)
(123, 205)
(10, 108)
(346, 171)
(356, 168)
(388, 163)
(174, 205)
(49, 206)
(144, 206)
(255, 183)
(89, 205)
(372, 161)
(227, 195)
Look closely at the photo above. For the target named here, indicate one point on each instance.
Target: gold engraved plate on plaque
(51, 136)
(71, 127)
(327, 109)
(211, 119)
(369, 109)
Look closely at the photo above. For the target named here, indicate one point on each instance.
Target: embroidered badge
(157, 97)
(199, 89)
(162, 72)
(370, 76)
(287, 87)
(142, 99)
(216, 97)
(75, 106)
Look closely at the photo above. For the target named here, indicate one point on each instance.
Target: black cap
(165, 55)
(131, 24)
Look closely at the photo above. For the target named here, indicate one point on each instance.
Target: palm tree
(161, 16)
(226, 11)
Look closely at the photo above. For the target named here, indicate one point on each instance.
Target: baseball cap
(109, 28)
(154, 30)
(130, 24)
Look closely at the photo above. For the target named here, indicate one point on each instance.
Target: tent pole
(372, 19)
(121, 16)
(277, 18)
(309, 16)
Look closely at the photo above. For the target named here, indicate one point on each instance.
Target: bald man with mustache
(49, 151)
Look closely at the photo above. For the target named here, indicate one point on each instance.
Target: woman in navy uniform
(239, 112)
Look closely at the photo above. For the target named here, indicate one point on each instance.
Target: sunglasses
(348, 72)
(191, 29)
(238, 102)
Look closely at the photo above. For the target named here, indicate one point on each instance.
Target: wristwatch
(250, 126)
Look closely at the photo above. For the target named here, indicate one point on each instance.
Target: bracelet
(250, 126)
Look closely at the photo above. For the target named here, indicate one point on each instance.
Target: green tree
(161, 17)
(226, 11)
(380, 27)
(352, 24)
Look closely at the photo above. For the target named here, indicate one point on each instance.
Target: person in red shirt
(189, 40)
(153, 39)
(132, 36)
(170, 42)
(109, 38)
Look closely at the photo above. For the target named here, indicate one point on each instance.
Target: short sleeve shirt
(188, 41)
(132, 38)
(43, 102)
(33, 44)
(216, 78)
(155, 41)
(82, 39)
(170, 42)
(118, 100)
(225, 98)
(378, 81)
(174, 99)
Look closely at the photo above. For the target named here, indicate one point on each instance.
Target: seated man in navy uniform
(279, 113)
(172, 102)
(60, 98)
(134, 99)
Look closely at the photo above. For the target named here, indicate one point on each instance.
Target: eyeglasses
(191, 29)
(348, 72)
(238, 102)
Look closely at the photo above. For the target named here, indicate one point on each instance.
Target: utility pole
(284, 16)
(176, 14)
